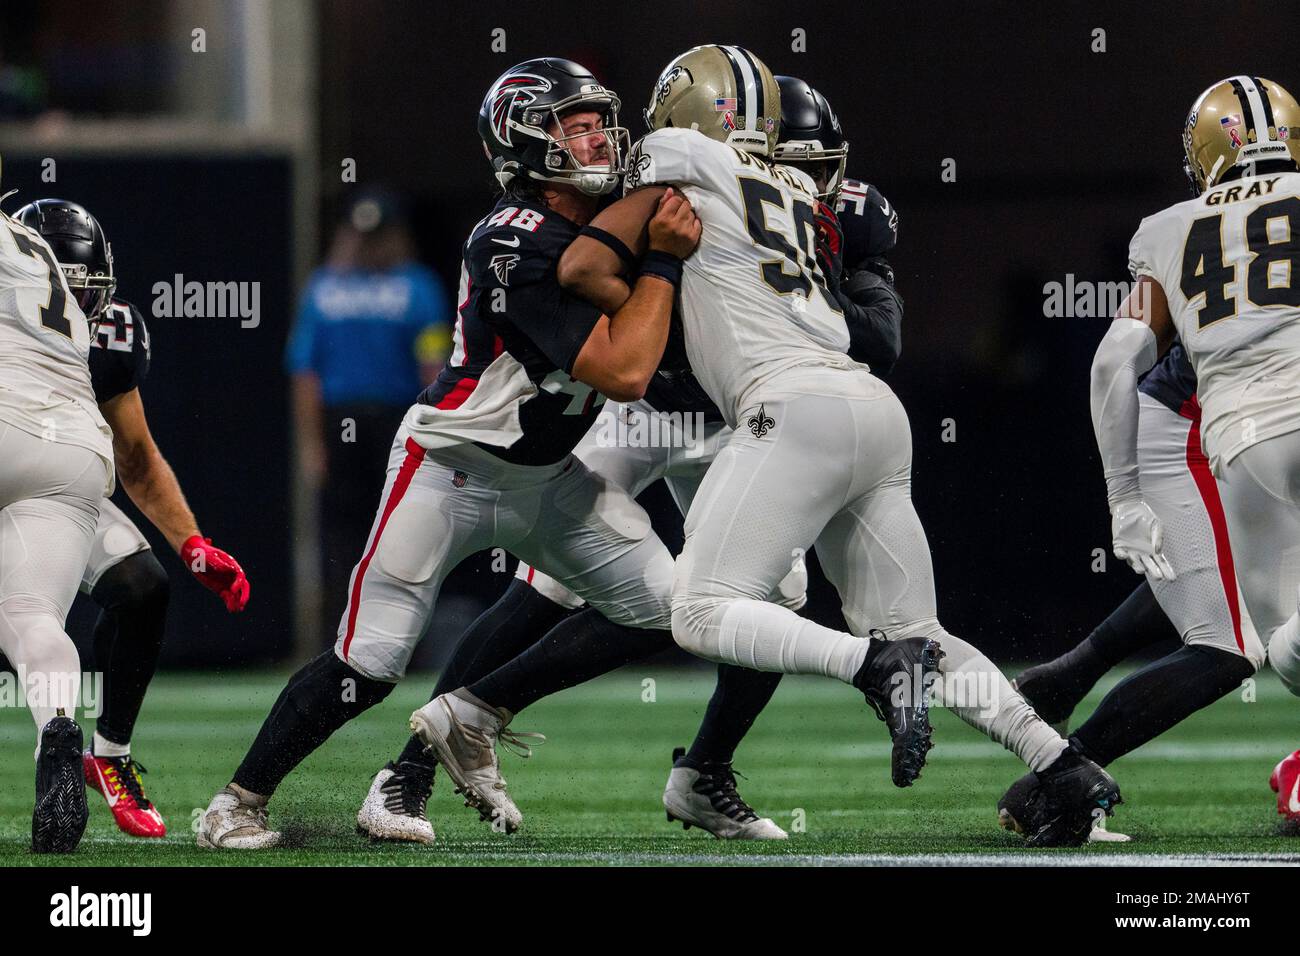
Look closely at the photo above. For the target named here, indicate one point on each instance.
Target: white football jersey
(1227, 263)
(753, 299)
(44, 344)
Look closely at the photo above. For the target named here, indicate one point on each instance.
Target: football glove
(216, 571)
(1138, 538)
(830, 243)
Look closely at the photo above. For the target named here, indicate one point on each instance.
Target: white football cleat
(394, 808)
(463, 732)
(709, 800)
(233, 823)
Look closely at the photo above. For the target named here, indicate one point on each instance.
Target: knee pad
(690, 621)
(137, 581)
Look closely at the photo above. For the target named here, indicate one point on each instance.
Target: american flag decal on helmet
(521, 88)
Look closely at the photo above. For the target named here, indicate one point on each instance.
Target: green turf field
(591, 793)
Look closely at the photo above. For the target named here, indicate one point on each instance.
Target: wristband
(612, 241)
(665, 265)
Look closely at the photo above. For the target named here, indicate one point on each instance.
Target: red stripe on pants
(414, 456)
(1199, 466)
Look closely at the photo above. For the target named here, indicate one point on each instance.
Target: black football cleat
(1060, 806)
(1052, 690)
(60, 815)
(895, 679)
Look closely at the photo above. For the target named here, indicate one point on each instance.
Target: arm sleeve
(1126, 351)
(873, 311)
(300, 352)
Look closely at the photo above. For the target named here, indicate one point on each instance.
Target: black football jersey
(869, 222)
(119, 351)
(1172, 381)
(511, 301)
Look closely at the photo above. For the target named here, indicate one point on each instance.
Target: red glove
(216, 571)
(830, 243)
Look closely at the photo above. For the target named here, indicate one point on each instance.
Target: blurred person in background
(372, 329)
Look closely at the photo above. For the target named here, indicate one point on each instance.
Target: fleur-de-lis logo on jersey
(501, 266)
(760, 424)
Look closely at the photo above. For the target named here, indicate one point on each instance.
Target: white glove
(1138, 538)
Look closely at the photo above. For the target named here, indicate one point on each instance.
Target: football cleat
(463, 733)
(60, 815)
(232, 823)
(1285, 782)
(707, 798)
(118, 780)
(394, 808)
(1063, 805)
(896, 681)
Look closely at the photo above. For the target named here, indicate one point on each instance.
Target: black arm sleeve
(873, 312)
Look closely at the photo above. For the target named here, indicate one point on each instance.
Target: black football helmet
(811, 138)
(79, 246)
(520, 106)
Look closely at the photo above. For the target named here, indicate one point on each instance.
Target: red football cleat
(118, 779)
(1286, 784)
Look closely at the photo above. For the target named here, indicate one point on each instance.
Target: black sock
(318, 700)
(1146, 704)
(132, 596)
(739, 697)
(519, 619)
(584, 646)
(1136, 624)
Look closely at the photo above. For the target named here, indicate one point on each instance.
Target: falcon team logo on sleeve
(501, 266)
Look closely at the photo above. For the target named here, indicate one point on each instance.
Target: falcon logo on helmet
(1235, 124)
(512, 91)
(521, 125)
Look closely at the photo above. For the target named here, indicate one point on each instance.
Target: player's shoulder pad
(671, 156)
(868, 219)
(1156, 233)
(517, 243)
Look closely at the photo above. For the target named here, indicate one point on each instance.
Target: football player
(1216, 273)
(56, 466)
(1200, 605)
(820, 450)
(122, 576)
(701, 789)
(484, 458)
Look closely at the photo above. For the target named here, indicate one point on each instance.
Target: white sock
(977, 692)
(768, 637)
(106, 748)
(1284, 653)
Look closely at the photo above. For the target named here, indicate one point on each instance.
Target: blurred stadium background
(225, 165)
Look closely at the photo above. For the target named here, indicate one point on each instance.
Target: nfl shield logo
(458, 478)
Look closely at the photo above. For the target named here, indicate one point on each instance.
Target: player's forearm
(621, 366)
(1126, 351)
(152, 485)
(590, 270)
(873, 313)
